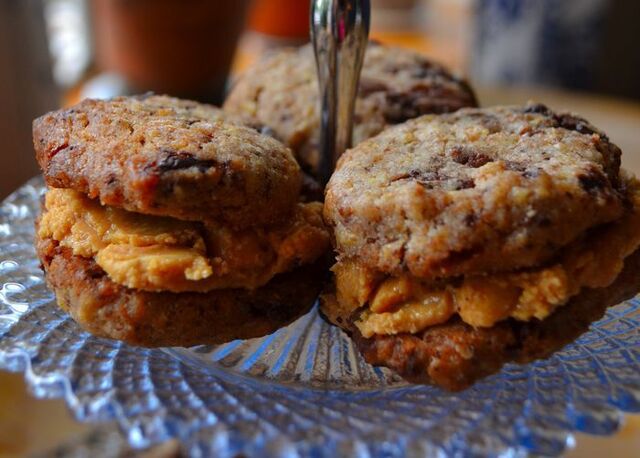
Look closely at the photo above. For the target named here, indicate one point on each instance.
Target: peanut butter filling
(407, 304)
(165, 254)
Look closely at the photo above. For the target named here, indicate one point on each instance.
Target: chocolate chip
(57, 149)
(422, 99)
(538, 108)
(399, 107)
(592, 181)
(466, 155)
(565, 120)
(427, 69)
(419, 175)
(368, 87)
(94, 271)
(470, 219)
(179, 160)
(576, 123)
(463, 183)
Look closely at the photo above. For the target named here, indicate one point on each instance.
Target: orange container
(182, 48)
(281, 18)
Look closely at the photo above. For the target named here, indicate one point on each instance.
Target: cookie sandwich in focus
(469, 240)
(169, 223)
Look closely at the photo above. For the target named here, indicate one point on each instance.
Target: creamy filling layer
(165, 254)
(406, 304)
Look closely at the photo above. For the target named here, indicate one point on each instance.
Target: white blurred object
(104, 86)
(69, 39)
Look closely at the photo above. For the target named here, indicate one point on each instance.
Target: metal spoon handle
(339, 32)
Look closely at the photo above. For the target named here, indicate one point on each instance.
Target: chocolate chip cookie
(163, 156)
(479, 190)
(167, 222)
(471, 239)
(396, 84)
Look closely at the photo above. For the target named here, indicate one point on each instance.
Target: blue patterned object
(303, 391)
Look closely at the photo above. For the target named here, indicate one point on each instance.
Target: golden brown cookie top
(396, 84)
(164, 156)
(480, 190)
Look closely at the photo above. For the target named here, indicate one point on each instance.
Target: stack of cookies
(167, 222)
(472, 239)
(465, 238)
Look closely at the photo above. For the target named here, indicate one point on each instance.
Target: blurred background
(571, 54)
(55, 52)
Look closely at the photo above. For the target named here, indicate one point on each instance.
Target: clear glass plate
(303, 391)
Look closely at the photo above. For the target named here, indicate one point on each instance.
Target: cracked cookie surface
(163, 156)
(477, 191)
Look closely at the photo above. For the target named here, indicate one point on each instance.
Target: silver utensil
(339, 33)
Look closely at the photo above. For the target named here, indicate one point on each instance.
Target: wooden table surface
(28, 425)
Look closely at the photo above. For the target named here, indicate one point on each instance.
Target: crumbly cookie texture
(405, 304)
(163, 156)
(454, 355)
(154, 319)
(476, 191)
(396, 84)
(155, 253)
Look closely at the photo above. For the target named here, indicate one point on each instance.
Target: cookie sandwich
(396, 84)
(169, 223)
(469, 240)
